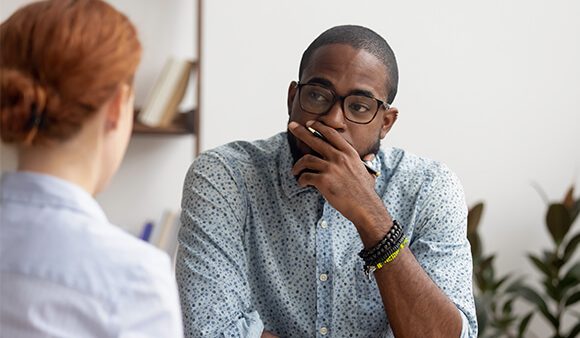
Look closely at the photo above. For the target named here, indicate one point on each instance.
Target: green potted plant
(494, 296)
(560, 275)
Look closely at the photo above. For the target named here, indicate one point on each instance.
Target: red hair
(60, 61)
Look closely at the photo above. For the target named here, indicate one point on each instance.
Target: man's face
(344, 70)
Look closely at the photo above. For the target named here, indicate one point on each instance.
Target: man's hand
(342, 179)
(268, 334)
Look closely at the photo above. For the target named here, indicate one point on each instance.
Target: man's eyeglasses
(317, 99)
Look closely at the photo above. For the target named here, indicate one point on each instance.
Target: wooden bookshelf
(182, 125)
(186, 123)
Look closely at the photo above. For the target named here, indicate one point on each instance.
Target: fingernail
(292, 125)
(309, 123)
(369, 157)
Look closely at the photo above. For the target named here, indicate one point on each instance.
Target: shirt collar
(36, 188)
(285, 163)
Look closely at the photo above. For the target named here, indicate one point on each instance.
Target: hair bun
(21, 98)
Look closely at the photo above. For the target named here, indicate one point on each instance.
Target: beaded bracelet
(368, 269)
(385, 250)
(391, 239)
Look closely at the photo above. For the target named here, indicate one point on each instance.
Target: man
(272, 229)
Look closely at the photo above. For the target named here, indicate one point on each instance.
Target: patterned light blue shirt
(258, 252)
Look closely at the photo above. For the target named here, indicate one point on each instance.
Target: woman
(66, 103)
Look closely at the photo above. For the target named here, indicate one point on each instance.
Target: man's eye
(358, 108)
(317, 96)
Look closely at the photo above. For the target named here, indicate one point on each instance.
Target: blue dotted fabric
(257, 249)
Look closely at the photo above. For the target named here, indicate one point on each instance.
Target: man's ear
(115, 107)
(389, 118)
(292, 90)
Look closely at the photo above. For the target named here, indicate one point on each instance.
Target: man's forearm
(268, 334)
(414, 304)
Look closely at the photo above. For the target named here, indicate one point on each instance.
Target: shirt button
(323, 224)
(324, 277)
(323, 330)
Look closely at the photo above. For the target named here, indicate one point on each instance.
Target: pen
(367, 164)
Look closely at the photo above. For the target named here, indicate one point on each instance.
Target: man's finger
(309, 162)
(332, 136)
(368, 157)
(315, 143)
(308, 179)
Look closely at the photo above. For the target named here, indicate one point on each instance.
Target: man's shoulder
(403, 162)
(246, 153)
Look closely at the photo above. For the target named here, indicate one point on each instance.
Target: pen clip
(316, 133)
(369, 165)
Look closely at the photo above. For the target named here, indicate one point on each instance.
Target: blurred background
(490, 88)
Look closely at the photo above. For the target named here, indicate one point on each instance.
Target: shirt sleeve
(211, 266)
(441, 247)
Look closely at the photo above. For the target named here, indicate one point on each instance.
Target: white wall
(151, 176)
(490, 88)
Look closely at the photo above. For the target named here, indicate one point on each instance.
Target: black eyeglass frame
(341, 98)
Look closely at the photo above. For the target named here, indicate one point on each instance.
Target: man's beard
(297, 153)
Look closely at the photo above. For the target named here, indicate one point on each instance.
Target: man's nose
(334, 117)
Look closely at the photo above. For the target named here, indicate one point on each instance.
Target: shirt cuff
(250, 326)
(464, 325)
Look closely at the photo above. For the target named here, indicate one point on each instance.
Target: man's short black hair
(358, 37)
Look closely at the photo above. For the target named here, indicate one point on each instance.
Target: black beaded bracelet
(385, 250)
(391, 239)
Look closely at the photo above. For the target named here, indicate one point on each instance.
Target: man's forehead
(342, 65)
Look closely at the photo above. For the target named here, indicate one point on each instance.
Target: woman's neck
(71, 161)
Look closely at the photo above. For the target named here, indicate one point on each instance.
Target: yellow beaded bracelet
(393, 255)
(371, 269)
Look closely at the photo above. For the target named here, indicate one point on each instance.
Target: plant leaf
(571, 247)
(573, 298)
(575, 211)
(481, 314)
(540, 191)
(475, 243)
(567, 283)
(532, 296)
(524, 324)
(569, 198)
(474, 217)
(572, 206)
(515, 286)
(551, 290)
(542, 266)
(507, 307)
(574, 331)
(573, 272)
(558, 221)
(500, 282)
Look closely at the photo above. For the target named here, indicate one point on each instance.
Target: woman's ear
(292, 90)
(116, 106)
(389, 118)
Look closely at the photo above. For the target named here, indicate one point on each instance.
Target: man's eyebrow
(324, 82)
(321, 81)
(362, 92)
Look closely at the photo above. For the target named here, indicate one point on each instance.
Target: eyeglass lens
(318, 100)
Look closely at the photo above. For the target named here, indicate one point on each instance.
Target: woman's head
(62, 63)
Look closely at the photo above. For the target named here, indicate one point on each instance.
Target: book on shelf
(162, 103)
(146, 231)
(170, 224)
(163, 234)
